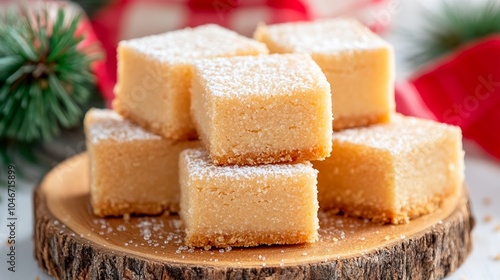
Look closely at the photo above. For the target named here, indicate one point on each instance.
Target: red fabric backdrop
(446, 91)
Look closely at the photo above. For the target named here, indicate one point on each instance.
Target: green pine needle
(455, 24)
(45, 76)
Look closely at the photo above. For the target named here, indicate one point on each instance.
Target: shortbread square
(132, 171)
(358, 64)
(247, 205)
(154, 76)
(262, 109)
(392, 172)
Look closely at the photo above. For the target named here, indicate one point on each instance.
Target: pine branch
(35, 155)
(455, 24)
(44, 74)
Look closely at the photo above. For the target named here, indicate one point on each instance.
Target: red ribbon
(464, 89)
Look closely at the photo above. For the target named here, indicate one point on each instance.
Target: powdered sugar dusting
(323, 37)
(153, 232)
(402, 134)
(163, 236)
(200, 165)
(184, 45)
(108, 125)
(278, 74)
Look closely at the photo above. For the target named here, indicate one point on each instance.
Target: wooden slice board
(72, 243)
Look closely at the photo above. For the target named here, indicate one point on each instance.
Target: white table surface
(482, 176)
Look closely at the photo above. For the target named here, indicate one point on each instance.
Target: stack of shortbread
(134, 154)
(397, 168)
(261, 119)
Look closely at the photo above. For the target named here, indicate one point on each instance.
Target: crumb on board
(497, 228)
(497, 257)
(487, 218)
(166, 213)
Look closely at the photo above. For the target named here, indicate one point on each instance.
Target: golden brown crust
(164, 131)
(286, 156)
(110, 208)
(340, 123)
(249, 239)
(403, 216)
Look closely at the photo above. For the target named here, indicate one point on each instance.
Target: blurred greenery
(46, 81)
(34, 159)
(454, 24)
(92, 7)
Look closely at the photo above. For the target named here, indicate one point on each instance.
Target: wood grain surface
(72, 243)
